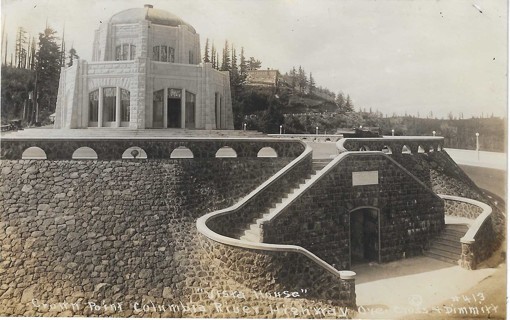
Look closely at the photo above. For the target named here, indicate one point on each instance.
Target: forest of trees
(30, 79)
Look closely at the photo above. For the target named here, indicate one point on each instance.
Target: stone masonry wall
(231, 225)
(410, 214)
(280, 271)
(113, 232)
(461, 209)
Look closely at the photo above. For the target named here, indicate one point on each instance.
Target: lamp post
(281, 127)
(244, 126)
(434, 133)
(392, 132)
(317, 130)
(477, 146)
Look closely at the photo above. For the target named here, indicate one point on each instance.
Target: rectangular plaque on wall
(364, 178)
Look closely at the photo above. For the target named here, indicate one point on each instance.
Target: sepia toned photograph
(254, 159)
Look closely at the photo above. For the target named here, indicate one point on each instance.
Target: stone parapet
(480, 240)
(393, 145)
(113, 148)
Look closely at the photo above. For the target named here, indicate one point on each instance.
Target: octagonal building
(145, 73)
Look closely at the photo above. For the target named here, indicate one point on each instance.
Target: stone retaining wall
(319, 219)
(113, 231)
(280, 272)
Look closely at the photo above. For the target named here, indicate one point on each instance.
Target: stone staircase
(447, 246)
(253, 232)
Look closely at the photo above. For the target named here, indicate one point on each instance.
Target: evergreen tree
(302, 82)
(254, 64)
(72, 56)
(214, 61)
(311, 84)
(340, 102)
(206, 51)
(293, 79)
(348, 104)
(47, 73)
(20, 57)
(226, 63)
(243, 65)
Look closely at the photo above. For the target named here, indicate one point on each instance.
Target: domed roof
(155, 16)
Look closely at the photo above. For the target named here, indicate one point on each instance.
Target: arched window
(93, 105)
(181, 153)
(134, 153)
(124, 105)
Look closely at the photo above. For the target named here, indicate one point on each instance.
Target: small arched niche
(34, 153)
(181, 153)
(267, 152)
(84, 153)
(226, 152)
(134, 153)
(406, 150)
(386, 150)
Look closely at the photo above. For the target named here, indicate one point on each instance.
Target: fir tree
(311, 84)
(226, 63)
(72, 56)
(47, 73)
(254, 64)
(243, 64)
(206, 51)
(214, 61)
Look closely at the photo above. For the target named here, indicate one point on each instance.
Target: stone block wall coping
(155, 138)
(395, 143)
(110, 62)
(206, 231)
(321, 137)
(470, 235)
(293, 197)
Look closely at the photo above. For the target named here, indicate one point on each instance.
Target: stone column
(165, 108)
(183, 108)
(117, 107)
(100, 111)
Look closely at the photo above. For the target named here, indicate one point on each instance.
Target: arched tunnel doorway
(364, 227)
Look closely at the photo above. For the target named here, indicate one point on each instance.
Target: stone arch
(182, 152)
(328, 140)
(34, 153)
(267, 152)
(364, 148)
(421, 149)
(85, 153)
(406, 149)
(226, 152)
(387, 150)
(128, 153)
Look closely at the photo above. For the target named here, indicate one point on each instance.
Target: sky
(394, 56)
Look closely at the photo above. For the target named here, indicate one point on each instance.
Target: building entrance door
(364, 235)
(174, 113)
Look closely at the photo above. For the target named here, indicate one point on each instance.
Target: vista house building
(145, 73)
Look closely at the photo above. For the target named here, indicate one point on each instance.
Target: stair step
(455, 238)
(250, 238)
(441, 257)
(445, 249)
(446, 242)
